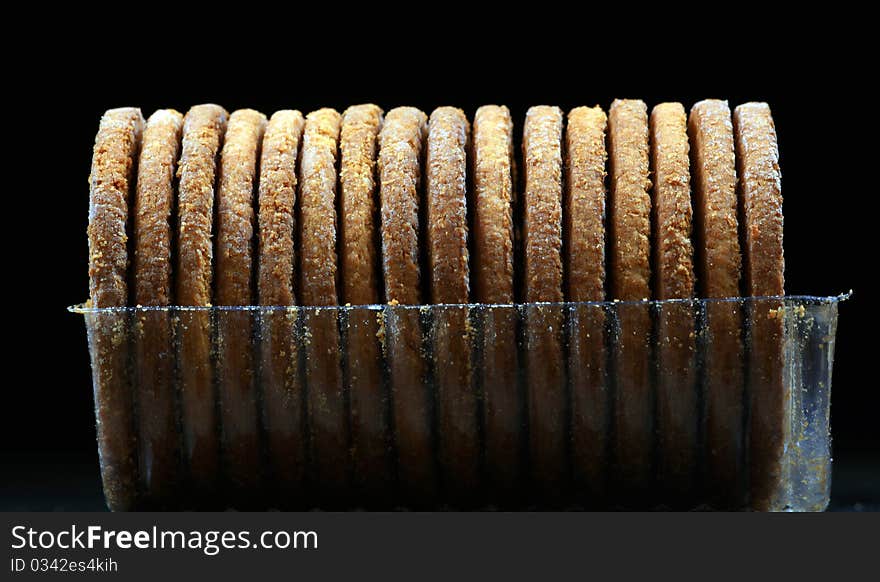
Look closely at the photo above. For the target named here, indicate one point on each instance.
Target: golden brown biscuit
(629, 219)
(584, 240)
(715, 219)
(630, 205)
(113, 164)
(358, 204)
(542, 228)
(235, 229)
(447, 244)
(235, 210)
(760, 198)
(673, 252)
(492, 202)
(280, 378)
(154, 368)
(277, 200)
(716, 246)
(318, 208)
(677, 408)
(542, 160)
(203, 129)
(585, 203)
(401, 143)
(325, 401)
(153, 203)
(359, 262)
(446, 183)
(400, 152)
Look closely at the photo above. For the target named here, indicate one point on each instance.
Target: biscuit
(629, 220)
(677, 409)
(400, 151)
(359, 265)
(760, 198)
(358, 204)
(318, 208)
(110, 183)
(114, 164)
(584, 244)
(493, 262)
(630, 203)
(279, 369)
(318, 287)
(673, 252)
(203, 129)
(446, 184)
(153, 204)
(154, 368)
(715, 220)
(585, 203)
(717, 253)
(277, 200)
(542, 230)
(235, 211)
(235, 228)
(542, 161)
(401, 143)
(447, 245)
(493, 183)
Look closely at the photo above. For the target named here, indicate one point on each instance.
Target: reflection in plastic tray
(678, 404)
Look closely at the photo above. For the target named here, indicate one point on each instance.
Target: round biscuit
(629, 220)
(447, 242)
(154, 370)
(585, 204)
(584, 244)
(153, 204)
(110, 183)
(493, 197)
(493, 282)
(542, 231)
(279, 368)
(277, 200)
(677, 394)
(446, 208)
(114, 162)
(204, 127)
(361, 285)
(401, 146)
(760, 199)
(400, 152)
(718, 260)
(542, 225)
(238, 174)
(318, 287)
(358, 204)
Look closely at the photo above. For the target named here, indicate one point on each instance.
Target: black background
(814, 77)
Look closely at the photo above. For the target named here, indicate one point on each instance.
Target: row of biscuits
(564, 194)
(412, 193)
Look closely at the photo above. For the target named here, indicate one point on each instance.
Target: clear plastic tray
(681, 404)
